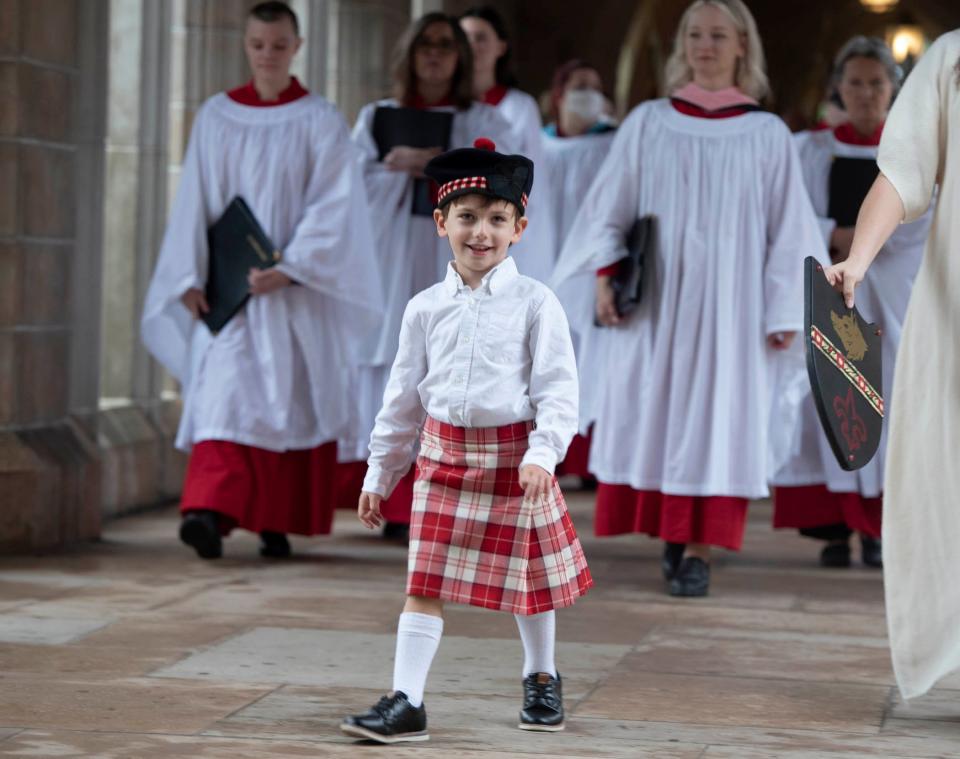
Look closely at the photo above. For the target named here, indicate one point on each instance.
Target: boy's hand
(606, 303)
(263, 281)
(780, 341)
(368, 510)
(195, 301)
(535, 481)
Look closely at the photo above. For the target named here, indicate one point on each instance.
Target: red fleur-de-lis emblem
(852, 428)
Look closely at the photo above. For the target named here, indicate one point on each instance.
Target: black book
(415, 128)
(850, 181)
(627, 283)
(236, 243)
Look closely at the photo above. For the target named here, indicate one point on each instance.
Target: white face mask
(586, 104)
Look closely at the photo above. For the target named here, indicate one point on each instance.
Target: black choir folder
(237, 243)
(850, 181)
(415, 128)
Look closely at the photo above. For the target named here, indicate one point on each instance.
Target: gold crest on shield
(850, 335)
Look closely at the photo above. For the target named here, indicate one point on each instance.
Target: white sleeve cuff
(542, 457)
(378, 481)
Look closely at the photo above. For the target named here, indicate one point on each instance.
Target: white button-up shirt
(488, 357)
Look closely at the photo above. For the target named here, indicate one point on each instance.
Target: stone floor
(132, 647)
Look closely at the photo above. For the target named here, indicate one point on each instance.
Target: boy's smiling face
(481, 231)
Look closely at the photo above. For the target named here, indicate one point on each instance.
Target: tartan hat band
(470, 183)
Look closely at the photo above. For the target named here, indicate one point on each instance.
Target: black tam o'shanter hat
(481, 170)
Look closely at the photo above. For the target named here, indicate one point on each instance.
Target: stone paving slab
(18, 627)
(330, 658)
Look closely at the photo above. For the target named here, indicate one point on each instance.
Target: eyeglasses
(441, 46)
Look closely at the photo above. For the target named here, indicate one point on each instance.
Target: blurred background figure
(495, 83)
(681, 417)
(265, 398)
(813, 493)
(575, 143)
(433, 72)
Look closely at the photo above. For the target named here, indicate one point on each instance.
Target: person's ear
(297, 45)
(518, 229)
(440, 221)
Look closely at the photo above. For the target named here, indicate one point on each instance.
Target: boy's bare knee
(424, 605)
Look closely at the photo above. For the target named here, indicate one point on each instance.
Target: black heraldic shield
(843, 361)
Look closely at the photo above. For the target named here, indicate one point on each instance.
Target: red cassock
(254, 488)
(349, 484)
(813, 506)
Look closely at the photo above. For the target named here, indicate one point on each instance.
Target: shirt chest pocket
(505, 339)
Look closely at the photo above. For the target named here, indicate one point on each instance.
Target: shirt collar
(495, 279)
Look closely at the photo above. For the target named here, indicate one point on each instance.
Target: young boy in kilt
(485, 373)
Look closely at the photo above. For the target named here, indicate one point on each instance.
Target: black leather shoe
(871, 551)
(393, 719)
(542, 703)
(672, 556)
(274, 545)
(200, 530)
(397, 531)
(692, 578)
(835, 555)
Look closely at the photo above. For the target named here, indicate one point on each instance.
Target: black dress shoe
(393, 719)
(692, 578)
(871, 551)
(542, 703)
(397, 531)
(672, 556)
(274, 545)
(200, 529)
(835, 555)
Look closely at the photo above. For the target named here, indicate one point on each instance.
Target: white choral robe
(410, 254)
(805, 454)
(536, 253)
(572, 163)
(920, 149)
(276, 376)
(682, 389)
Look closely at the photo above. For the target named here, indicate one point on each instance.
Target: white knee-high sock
(418, 636)
(538, 633)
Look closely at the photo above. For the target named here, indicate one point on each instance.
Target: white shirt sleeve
(395, 431)
(554, 389)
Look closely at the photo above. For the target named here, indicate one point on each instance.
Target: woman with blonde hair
(920, 150)
(681, 414)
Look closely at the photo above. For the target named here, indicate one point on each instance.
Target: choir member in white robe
(920, 150)
(494, 83)
(433, 72)
(681, 416)
(575, 143)
(264, 400)
(813, 493)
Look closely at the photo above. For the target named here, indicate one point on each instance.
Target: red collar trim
(846, 134)
(418, 102)
(691, 109)
(247, 95)
(495, 94)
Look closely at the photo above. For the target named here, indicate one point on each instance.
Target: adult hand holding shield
(843, 363)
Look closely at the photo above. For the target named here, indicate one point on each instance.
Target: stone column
(360, 42)
(49, 475)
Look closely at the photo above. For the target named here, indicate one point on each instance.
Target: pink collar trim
(712, 100)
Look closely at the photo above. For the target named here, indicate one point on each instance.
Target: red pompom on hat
(484, 143)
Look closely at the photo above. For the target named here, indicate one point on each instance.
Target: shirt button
(466, 338)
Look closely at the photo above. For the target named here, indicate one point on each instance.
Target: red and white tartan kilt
(474, 538)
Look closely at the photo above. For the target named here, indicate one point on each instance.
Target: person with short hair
(433, 71)
(485, 376)
(495, 83)
(265, 399)
(919, 160)
(682, 409)
(812, 493)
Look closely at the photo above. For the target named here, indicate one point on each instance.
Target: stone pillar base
(50, 480)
